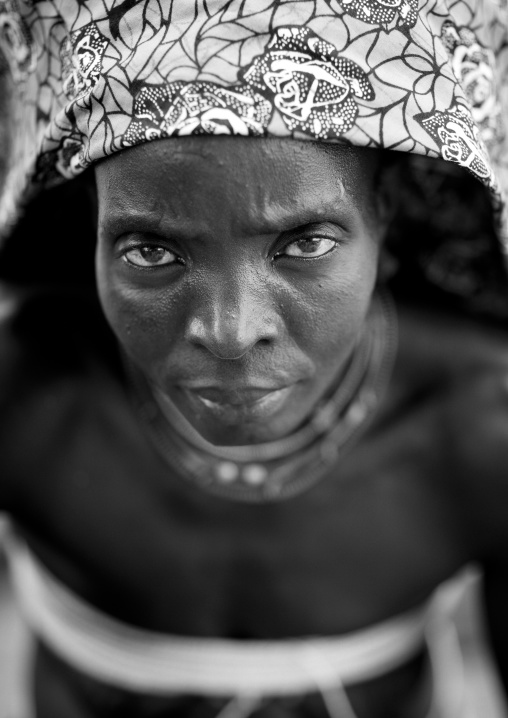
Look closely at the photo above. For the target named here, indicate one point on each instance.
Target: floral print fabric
(92, 77)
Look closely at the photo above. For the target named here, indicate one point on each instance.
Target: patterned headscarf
(91, 77)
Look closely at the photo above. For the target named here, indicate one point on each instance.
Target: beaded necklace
(286, 467)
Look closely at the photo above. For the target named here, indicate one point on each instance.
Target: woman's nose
(231, 323)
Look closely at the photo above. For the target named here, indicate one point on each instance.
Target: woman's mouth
(246, 403)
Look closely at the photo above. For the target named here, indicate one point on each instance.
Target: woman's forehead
(266, 178)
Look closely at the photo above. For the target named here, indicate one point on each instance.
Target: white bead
(254, 474)
(357, 413)
(226, 472)
(324, 417)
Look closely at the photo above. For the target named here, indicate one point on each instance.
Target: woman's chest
(111, 520)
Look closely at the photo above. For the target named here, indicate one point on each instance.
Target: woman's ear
(387, 192)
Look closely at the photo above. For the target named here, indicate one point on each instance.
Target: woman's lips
(232, 396)
(245, 403)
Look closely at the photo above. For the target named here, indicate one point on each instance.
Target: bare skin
(422, 493)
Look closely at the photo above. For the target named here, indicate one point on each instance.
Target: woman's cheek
(325, 321)
(338, 307)
(140, 319)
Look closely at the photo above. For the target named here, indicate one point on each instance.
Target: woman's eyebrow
(119, 219)
(266, 220)
(295, 218)
(156, 223)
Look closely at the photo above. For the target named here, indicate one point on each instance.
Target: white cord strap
(129, 657)
(136, 659)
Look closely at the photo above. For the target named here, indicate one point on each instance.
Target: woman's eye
(150, 256)
(309, 248)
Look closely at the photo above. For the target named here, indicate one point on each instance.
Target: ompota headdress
(88, 78)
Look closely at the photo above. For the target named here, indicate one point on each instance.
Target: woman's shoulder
(461, 363)
(464, 364)
(450, 347)
(55, 354)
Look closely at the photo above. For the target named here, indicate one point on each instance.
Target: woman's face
(237, 273)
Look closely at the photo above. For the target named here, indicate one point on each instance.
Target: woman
(242, 499)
